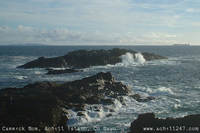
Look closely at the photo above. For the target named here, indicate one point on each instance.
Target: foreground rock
(147, 123)
(52, 71)
(84, 59)
(45, 103)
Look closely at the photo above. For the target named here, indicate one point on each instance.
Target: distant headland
(182, 44)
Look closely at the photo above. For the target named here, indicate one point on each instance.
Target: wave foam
(154, 91)
(21, 77)
(129, 59)
(38, 72)
(93, 113)
(165, 89)
(139, 58)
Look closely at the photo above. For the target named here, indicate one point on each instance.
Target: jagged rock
(107, 101)
(42, 62)
(148, 123)
(41, 103)
(45, 103)
(108, 115)
(52, 71)
(96, 108)
(80, 114)
(20, 107)
(85, 58)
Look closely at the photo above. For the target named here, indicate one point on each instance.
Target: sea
(174, 82)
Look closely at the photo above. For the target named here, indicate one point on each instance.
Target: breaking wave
(127, 59)
(93, 113)
(139, 58)
(130, 59)
(158, 91)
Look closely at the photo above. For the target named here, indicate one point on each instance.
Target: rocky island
(44, 104)
(85, 58)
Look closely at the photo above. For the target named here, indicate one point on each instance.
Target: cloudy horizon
(99, 22)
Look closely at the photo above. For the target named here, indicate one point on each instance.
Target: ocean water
(174, 82)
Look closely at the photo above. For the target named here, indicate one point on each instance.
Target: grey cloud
(25, 34)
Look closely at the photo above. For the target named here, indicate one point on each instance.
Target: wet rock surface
(84, 58)
(148, 123)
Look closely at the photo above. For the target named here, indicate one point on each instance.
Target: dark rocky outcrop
(148, 123)
(85, 58)
(44, 103)
(42, 62)
(52, 71)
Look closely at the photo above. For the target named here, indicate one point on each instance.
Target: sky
(100, 22)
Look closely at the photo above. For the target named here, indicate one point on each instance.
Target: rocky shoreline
(47, 103)
(84, 59)
(50, 104)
